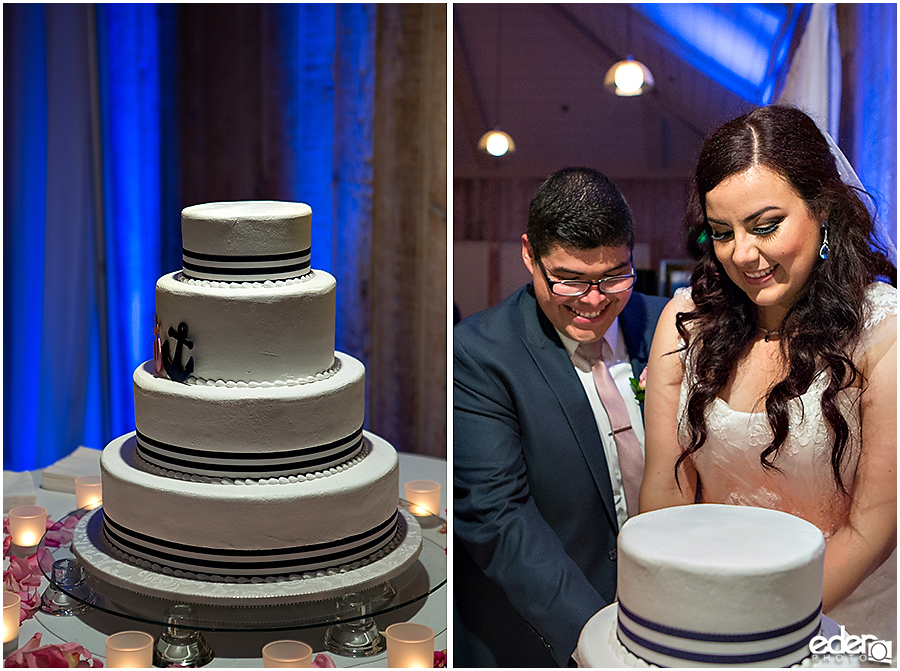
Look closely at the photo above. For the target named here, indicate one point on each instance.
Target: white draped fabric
(814, 84)
(814, 79)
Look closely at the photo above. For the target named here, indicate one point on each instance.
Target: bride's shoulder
(881, 302)
(682, 299)
(879, 335)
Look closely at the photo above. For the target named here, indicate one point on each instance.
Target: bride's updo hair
(822, 329)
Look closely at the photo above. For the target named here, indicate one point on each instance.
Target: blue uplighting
(24, 211)
(315, 124)
(334, 140)
(130, 116)
(742, 46)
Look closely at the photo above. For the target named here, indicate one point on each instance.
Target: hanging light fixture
(497, 142)
(628, 77)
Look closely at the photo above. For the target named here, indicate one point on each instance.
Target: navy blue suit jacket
(534, 519)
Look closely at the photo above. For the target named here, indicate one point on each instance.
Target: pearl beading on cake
(290, 382)
(265, 284)
(282, 480)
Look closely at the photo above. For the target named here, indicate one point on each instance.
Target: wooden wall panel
(408, 390)
(233, 74)
(240, 111)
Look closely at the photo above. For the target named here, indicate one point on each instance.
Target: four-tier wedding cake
(249, 461)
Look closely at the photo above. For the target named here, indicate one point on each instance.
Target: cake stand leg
(180, 644)
(359, 637)
(69, 576)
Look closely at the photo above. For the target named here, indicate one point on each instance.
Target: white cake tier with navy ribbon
(255, 527)
(250, 432)
(719, 585)
(246, 241)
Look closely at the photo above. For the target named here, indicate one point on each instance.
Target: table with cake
(232, 649)
(249, 488)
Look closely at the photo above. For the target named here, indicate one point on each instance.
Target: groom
(543, 451)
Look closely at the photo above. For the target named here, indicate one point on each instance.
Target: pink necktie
(631, 459)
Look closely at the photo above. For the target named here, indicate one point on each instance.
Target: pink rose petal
(62, 534)
(20, 578)
(323, 661)
(60, 655)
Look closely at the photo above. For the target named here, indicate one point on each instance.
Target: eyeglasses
(608, 285)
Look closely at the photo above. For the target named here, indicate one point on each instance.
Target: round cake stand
(414, 569)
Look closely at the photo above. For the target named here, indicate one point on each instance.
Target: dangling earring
(825, 249)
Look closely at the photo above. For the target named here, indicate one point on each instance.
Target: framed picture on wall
(674, 273)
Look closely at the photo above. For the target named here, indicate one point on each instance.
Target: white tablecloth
(240, 650)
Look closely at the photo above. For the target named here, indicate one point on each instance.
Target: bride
(772, 381)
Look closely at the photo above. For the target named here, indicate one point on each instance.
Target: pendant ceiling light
(628, 77)
(497, 142)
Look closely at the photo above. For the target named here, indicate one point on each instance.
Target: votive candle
(88, 491)
(11, 605)
(410, 646)
(27, 525)
(287, 655)
(424, 497)
(129, 650)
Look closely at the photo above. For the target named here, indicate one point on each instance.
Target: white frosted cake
(249, 460)
(711, 585)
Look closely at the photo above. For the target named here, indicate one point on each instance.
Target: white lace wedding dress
(731, 472)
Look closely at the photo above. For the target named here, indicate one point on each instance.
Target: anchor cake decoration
(172, 363)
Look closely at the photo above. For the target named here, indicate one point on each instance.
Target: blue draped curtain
(872, 123)
(129, 79)
(91, 199)
(53, 390)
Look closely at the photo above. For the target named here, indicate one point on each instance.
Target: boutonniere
(639, 386)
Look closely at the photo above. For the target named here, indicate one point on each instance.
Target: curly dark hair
(822, 329)
(579, 208)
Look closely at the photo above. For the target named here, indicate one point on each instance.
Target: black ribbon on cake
(250, 562)
(708, 637)
(239, 268)
(242, 465)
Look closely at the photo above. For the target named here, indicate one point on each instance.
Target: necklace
(770, 334)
